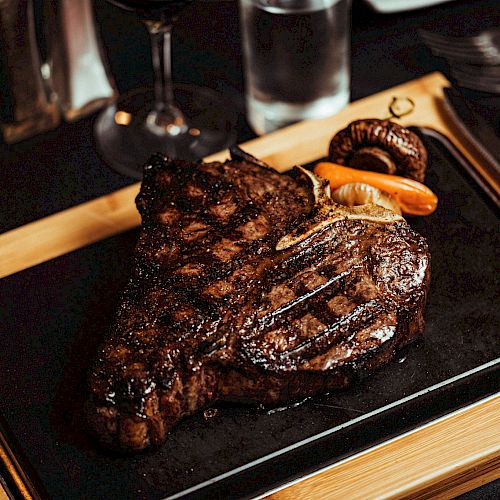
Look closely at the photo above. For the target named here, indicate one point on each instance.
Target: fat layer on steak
(250, 285)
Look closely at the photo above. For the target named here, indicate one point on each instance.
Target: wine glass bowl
(154, 10)
(182, 121)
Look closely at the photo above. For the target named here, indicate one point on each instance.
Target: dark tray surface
(52, 316)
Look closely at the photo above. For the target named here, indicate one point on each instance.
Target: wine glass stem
(168, 116)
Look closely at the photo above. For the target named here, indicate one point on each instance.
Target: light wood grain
(16, 475)
(93, 221)
(440, 460)
(65, 231)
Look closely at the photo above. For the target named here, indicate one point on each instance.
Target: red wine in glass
(153, 9)
(182, 121)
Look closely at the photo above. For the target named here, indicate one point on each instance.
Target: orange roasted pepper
(413, 197)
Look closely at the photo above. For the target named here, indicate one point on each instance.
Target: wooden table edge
(417, 464)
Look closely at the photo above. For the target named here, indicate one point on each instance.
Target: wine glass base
(125, 140)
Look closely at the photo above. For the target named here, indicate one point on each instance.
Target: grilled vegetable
(381, 146)
(358, 193)
(413, 197)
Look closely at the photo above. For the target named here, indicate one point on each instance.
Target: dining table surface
(61, 168)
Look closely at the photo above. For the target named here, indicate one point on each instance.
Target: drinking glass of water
(296, 60)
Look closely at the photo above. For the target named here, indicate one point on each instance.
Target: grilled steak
(250, 285)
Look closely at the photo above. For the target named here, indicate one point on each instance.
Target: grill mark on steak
(272, 317)
(341, 330)
(213, 311)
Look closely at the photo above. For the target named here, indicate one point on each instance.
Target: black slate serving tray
(52, 316)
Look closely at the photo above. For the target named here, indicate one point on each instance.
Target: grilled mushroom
(382, 146)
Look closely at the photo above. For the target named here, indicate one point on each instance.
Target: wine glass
(182, 121)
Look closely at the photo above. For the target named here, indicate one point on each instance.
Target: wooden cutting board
(444, 458)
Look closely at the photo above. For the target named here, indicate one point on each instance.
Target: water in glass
(296, 55)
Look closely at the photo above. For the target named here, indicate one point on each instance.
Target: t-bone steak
(253, 286)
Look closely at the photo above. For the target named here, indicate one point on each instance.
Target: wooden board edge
(466, 479)
(3, 493)
(445, 457)
(16, 475)
(84, 224)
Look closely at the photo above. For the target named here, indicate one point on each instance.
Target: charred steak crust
(213, 311)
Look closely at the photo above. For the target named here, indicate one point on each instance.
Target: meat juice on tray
(297, 54)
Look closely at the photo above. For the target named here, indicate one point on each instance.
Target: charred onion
(358, 193)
